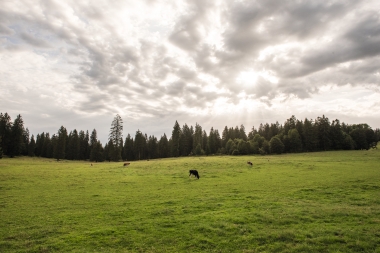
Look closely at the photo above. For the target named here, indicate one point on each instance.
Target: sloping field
(311, 202)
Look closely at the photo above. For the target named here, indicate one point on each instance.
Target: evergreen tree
(212, 142)
(32, 146)
(152, 147)
(1, 148)
(96, 154)
(309, 136)
(39, 142)
(175, 139)
(186, 141)
(83, 145)
(49, 146)
(336, 135)
(225, 136)
(197, 137)
(16, 140)
(5, 131)
(163, 147)
(295, 142)
(46, 145)
(93, 140)
(139, 145)
(242, 134)
(323, 129)
(204, 141)
(73, 148)
(60, 146)
(25, 142)
(116, 137)
(128, 148)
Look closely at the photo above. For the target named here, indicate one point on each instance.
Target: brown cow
(126, 164)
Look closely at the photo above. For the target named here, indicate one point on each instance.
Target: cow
(250, 163)
(195, 173)
(126, 164)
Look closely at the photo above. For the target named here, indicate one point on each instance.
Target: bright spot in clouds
(217, 63)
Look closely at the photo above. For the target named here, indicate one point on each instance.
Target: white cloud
(207, 59)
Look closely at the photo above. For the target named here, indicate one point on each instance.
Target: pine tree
(5, 131)
(32, 146)
(163, 147)
(175, 139)
(60, 145)
(128, 148)
(16, 140)
(1, 149)
(139, 146)
(96, 154)
(116, 137)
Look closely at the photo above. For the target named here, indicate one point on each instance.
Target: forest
(293, 136)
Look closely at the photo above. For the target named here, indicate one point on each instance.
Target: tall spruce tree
(1, 148)
(60, 145)
(16, 140)
(116, 137)
(176, 139)
(5, 131)
(163, 147)
(32, 146)
(139, 145)
(128, 148)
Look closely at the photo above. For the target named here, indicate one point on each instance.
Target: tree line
(291, 137)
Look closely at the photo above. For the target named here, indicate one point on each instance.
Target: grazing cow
(250, 163)
(126, 164)
(194, 172)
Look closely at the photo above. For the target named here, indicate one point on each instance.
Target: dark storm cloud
(360, 42)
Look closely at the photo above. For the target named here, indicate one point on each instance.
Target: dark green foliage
(186, 140)
(116, 137)
(295, 136)
(197, 138)
(295, 142)
(152, 147)
(128, 148)
(73, 147)
(163, 147)
(242, 146)
(5, 131)
(276, 145)
(198, 150)
(323, 131)
(266, 147)
(175, 151)
(32, 146)
(1, 148)
(96, 152)
(25, 142)
(16, 143)
(60, 146)
(139, 146)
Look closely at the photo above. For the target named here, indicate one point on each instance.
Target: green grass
(312, 202)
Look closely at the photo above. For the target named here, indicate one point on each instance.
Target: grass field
(311, 202)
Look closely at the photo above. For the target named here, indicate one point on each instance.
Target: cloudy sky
(215, 63)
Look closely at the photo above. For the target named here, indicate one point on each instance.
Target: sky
(79, 63)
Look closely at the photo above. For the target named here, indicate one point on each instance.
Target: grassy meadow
(309, 202)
